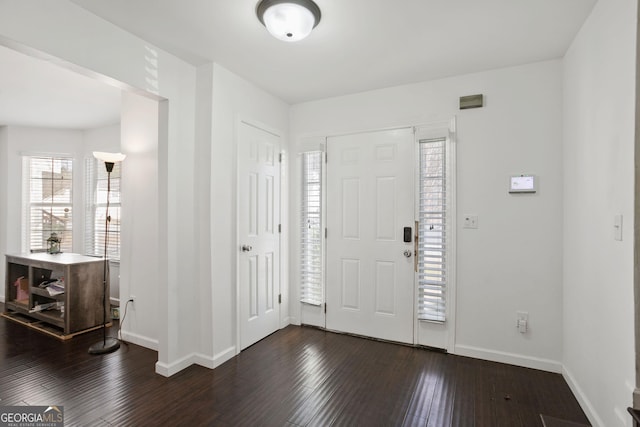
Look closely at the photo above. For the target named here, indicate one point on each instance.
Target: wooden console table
(78, 308)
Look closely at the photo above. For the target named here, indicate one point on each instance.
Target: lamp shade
(109, 157)
(288, 20)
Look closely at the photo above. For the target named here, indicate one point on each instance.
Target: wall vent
(471, 101)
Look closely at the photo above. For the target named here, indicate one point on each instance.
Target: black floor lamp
(108, 344)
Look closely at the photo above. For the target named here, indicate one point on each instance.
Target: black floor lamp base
(105, 346)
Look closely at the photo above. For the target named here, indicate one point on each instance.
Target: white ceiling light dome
(288, 20)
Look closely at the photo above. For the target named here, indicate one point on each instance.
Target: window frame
(443, 131)
(67, 240)
(312, 273)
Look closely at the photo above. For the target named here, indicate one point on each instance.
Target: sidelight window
(433, 230)
(311, 241)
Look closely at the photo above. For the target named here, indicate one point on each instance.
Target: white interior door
(370, 269)
(258, 234)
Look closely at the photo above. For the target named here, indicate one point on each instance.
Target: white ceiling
(37, 93)
(359, 45)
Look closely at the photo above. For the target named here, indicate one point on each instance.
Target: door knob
(246, 248)
(407, 253)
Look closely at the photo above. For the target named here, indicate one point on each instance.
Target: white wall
(202, 188)
(140, 243)
(235, 99)
(513, 261)
(599, 122)
(78, 38)
(106, 138)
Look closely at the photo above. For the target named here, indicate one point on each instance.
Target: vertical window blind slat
(432, 254)
(311, 289)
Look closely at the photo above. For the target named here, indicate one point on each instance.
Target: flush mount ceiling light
(288, 20)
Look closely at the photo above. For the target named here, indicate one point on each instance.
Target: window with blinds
(433, 229)
(311, 259)
(96, 209)
(48, 195)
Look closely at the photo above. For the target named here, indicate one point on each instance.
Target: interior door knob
(407, 253)
(246, 248)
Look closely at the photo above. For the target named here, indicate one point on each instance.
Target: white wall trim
(295, 320)
(2, 299)
(203, 360)
(584, 402)
(285, 322)
(200, 359)
(223, 356)
(140, 340)
(167, 370)
(508, 358)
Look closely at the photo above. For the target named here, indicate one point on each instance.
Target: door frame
(239, 120)
(309, 142)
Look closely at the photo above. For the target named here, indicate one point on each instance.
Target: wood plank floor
(298, 376)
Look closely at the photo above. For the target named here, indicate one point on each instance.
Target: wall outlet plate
(470, 221)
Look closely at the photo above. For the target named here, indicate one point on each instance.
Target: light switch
(470, 221)
(617, 227)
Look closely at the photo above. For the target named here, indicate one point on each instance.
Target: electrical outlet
(132, 298)
(522, 321)
(470, 221)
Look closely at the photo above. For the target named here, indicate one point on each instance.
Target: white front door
(370, 268)
(258, 235)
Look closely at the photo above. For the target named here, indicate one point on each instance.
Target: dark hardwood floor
(298, 376)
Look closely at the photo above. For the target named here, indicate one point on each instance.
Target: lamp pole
(107, 345)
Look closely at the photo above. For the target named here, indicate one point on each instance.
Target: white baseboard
(195, 359)
(2, 298)
(166, 370)
(223, 356)
(285, 322)
(584, 402)
(140, 340)
(509, 358)
(204, 360)
(294, 321)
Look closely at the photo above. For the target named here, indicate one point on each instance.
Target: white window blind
(311, 260)
(48, 185)
(96, 209)
(433, 230)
